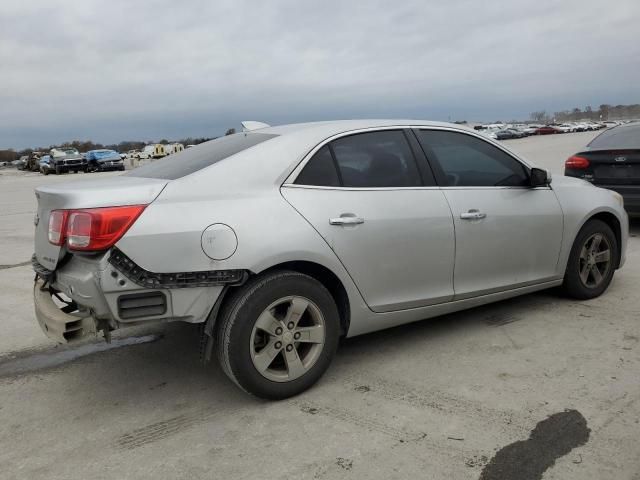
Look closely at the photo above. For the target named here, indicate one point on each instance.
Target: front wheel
(277, 334)
(591, 261)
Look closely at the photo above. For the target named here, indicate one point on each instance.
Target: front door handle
(346, 219)
(473, 214)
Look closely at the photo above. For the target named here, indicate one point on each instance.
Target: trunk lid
(613, 167)
(106, 192)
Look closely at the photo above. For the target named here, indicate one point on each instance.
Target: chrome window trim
(291, 178)
(356, 189)
(360, 189)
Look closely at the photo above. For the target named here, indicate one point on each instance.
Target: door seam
(328, 245)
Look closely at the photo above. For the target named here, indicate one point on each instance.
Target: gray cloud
(123, 70)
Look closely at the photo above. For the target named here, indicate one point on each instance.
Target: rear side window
(199, 157)
(364, 160)
(320, 170)
(467, 161)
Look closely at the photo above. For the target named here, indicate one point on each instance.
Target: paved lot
(435, 399)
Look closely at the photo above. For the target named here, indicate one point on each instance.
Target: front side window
(467, 161)
(364, 160)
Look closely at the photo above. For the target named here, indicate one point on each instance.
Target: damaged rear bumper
(55, 323)
(109, 291)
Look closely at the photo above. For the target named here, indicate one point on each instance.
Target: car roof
(334, 127)
(270, 161)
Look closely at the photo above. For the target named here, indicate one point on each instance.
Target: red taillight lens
(57, 226)
(100, 228)
(92, 228)
(577, 163)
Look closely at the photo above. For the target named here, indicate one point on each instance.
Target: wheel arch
(328, 279)
(315, 270)
(614, 223)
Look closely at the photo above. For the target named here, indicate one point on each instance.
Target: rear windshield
(104, 153)
(621, 137)
(201, 156)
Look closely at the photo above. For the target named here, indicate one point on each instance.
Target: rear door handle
(473, 214)
(346, 219)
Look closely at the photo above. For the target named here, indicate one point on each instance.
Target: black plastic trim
(137, 305)
(147, 279)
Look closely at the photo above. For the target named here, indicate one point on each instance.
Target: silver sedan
(281, 240)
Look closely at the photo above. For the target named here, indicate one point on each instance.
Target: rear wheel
(277, 334)
(592, 261)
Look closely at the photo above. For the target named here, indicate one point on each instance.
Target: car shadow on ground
(169, 369)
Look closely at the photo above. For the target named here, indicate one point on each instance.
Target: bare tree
(589, 112)
(538, 116)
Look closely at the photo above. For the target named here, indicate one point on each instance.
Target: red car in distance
(547, 130)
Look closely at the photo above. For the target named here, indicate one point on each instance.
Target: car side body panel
(401, 255)
(517, 243)
(269, 233)
(243, 193)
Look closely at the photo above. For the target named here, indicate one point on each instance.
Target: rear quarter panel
(167, 237)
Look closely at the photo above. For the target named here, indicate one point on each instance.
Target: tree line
(603, 113)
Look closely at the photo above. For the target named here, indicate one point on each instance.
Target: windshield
(196, 158)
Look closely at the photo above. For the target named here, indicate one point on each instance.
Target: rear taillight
(57, 226)
(577, 163)
(94, 229)
(79, 230)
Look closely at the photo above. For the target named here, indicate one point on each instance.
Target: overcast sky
(118, 70)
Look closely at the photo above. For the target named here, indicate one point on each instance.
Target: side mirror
(539, 177)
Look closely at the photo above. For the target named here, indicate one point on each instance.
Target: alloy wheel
(287, 339)
(595, 260)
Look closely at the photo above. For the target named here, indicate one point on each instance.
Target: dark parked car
(103, 159)
(508, 133)
(612, 160)
(547, 130)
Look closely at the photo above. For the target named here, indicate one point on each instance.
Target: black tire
(573, 285)
(45, 171)
(237, 319)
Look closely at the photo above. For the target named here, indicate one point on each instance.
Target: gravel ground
(540, 382)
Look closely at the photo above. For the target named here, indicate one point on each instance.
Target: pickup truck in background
(66, 159)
